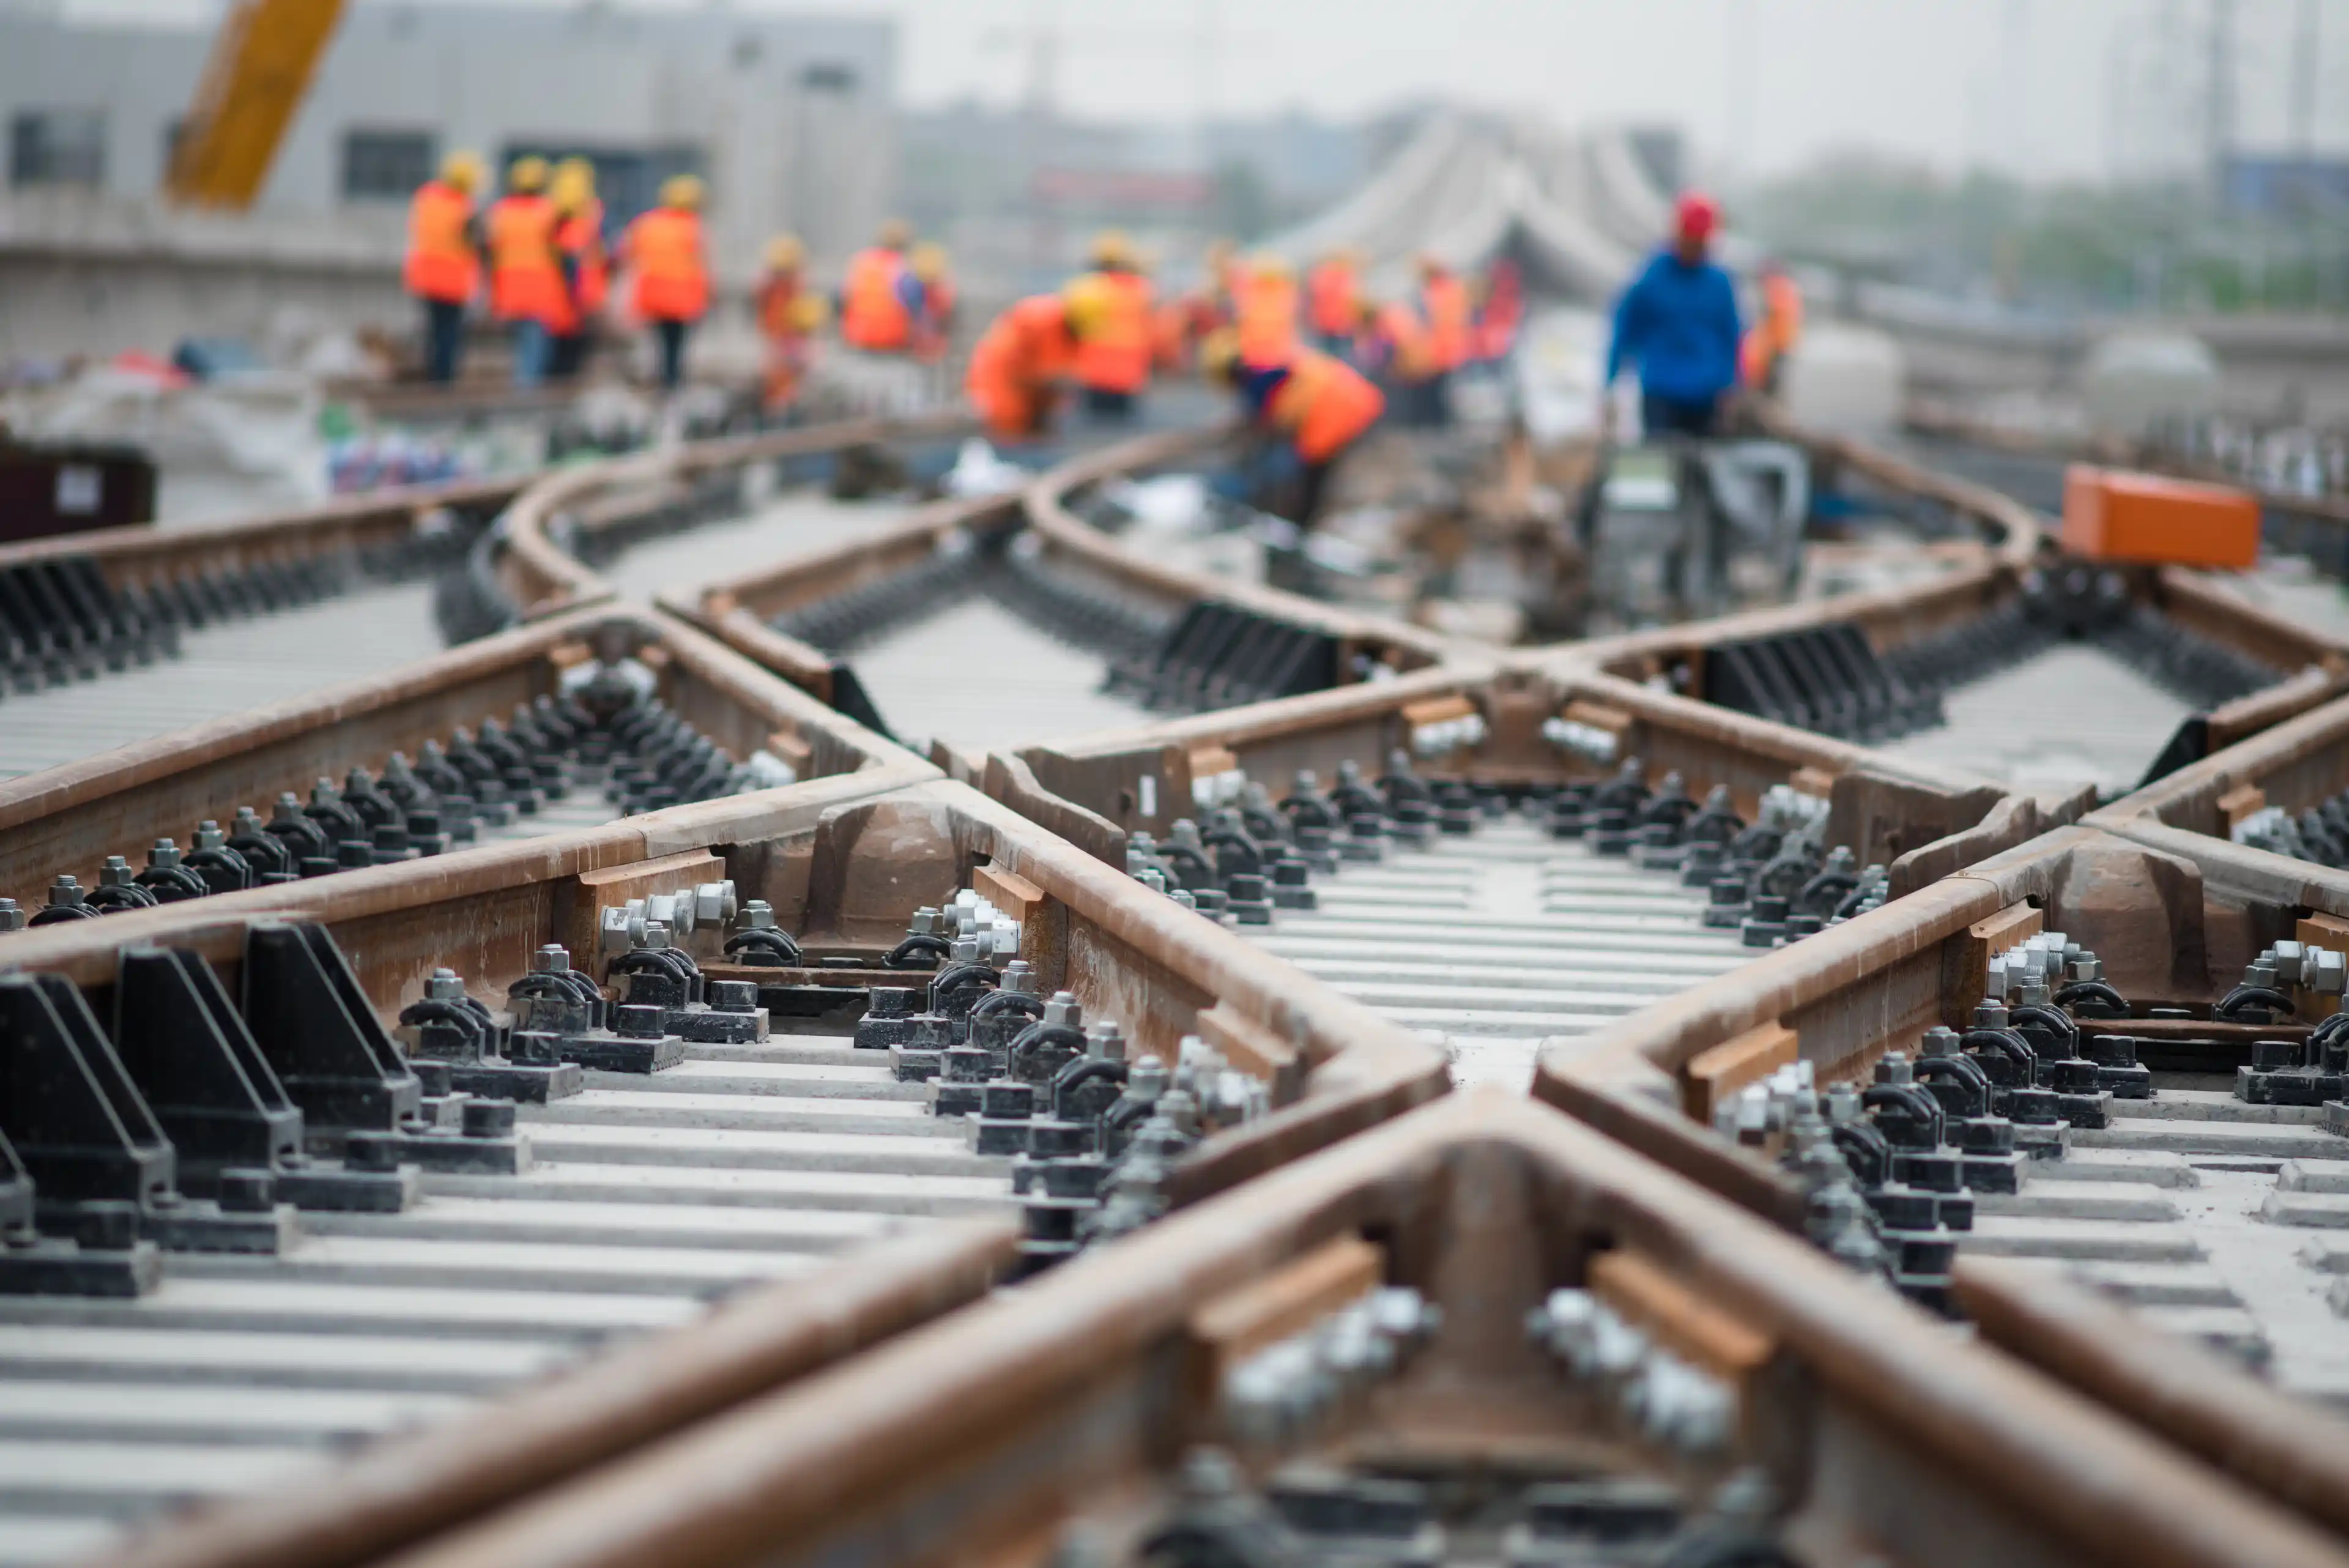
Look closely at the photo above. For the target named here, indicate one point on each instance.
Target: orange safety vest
(672, 279)
(442, 264)
(1775, 334)
(1266, 302)
(525, 280)
(1334, 300)
(1114, 356)
(872, 315)
(1400, 332)
(1015, 362)
(1325, 405)
(1444, 300)
(580, 237)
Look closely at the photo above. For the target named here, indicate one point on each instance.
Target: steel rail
(980, 1436)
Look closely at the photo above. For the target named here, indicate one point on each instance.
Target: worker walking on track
(586, 269)
(1448, 317)
(1677, 325)
(527, 291)
(1315, 406)
(880, 296)
(1111, 308)
(1018, 366)
(1265, 303)
(1773, 339)
(790, 316)
(664, 250)
(932, 324)
(444, 260)
(1334, 300)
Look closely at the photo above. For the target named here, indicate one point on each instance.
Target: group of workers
(542, 252)
(1315, 368)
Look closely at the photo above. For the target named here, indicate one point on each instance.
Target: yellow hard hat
(784, 251)
(1220, 354)
(574, 185)
(928, 261)
(681, 190)
(896, 234)
(1111, 249)
(1271, 264)
(526, 175)
(462, 170)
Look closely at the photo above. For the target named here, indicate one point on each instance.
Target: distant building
(788, 116)
(2284, 185)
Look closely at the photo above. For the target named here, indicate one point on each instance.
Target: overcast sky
(1766, 84)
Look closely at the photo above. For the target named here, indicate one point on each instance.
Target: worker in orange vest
(1018, 365)
(1265, 302)
(932, 321)
(790, 316)
(1334, 300)
(1770, 340)
(586, 268)
(444, 260)
(1393, 347)
(664, 248)
(1448, 317)
(881, 295)
(526, 287)
(1110, 309)
(1500, 311)
(1315, 405)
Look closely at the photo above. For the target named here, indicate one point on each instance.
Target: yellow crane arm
(261, 64)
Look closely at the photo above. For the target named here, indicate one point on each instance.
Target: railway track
(1416, 855)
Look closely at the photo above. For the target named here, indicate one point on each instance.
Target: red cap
(1696, 216)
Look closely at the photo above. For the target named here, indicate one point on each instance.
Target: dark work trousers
(444, 338)
(1661, 417)
(671, 335)
(1102, 403)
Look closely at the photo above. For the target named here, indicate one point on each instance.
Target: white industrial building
(788, 116)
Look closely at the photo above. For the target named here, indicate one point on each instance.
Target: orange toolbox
(2110, 515)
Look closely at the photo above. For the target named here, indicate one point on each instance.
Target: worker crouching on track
(1677, 325)
(790, 316)
(444, 260)
(1017, 367)
(1314, 407)
(1110, 309)
(664, 250)
(586, 267)
(527, 291)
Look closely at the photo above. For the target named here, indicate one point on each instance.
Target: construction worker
(1265, 304)
(586, 268)
(527, 291)
(1334, 300)
(1771, 339)
(1447, 314)
(1391, 347)
(664, 248)
(1186, 321)
(1315, 405)
(1110, 309)
(444, 260)
(933, 316)
(1018, 365)
(790, 316)
(1500, 311)
(1677, 324)
(878, 299)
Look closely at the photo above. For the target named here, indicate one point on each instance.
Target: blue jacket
(1678, 324)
